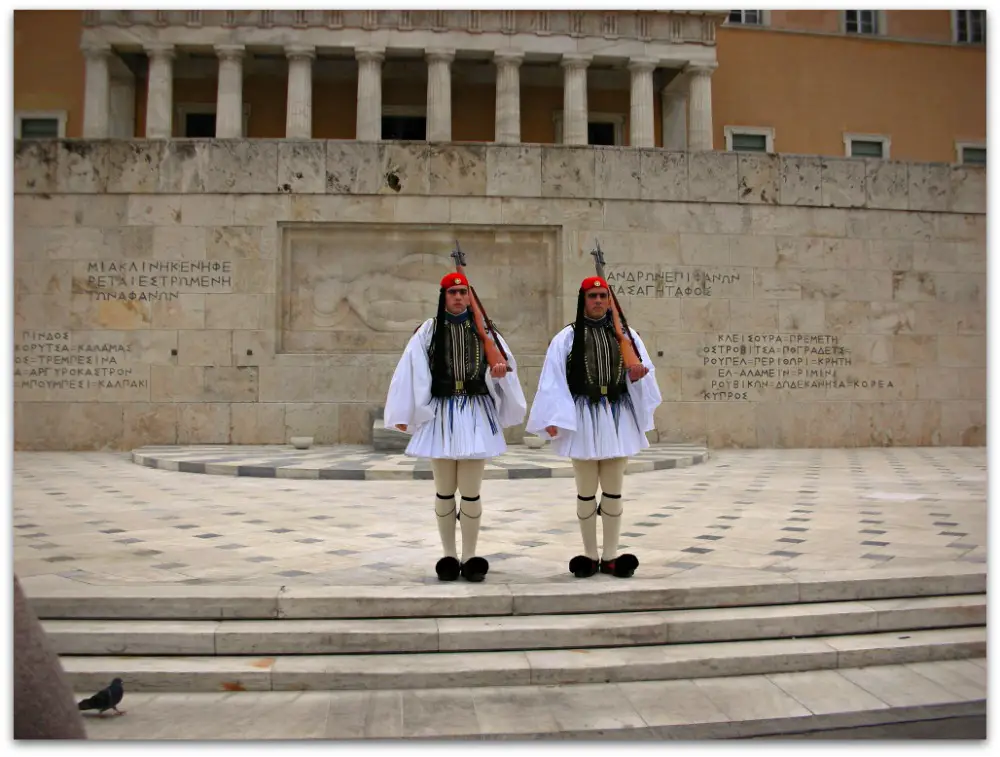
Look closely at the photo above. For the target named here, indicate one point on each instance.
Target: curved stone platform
(361, 463)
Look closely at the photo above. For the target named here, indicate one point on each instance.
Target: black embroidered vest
(604, 369)
(465, 359)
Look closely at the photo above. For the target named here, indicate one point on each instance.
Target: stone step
(54, 597)
(526, 632)
(906, 698)
(519, 668)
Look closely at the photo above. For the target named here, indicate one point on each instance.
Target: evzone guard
(596, 396)
(454, 390)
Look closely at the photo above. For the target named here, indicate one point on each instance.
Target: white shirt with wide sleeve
(455, 428)
(585, 431)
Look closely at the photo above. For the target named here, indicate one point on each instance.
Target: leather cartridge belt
(450, 387)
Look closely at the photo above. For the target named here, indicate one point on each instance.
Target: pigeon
(105, 699)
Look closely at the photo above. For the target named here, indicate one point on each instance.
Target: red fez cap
(454, 279)
(593, 282)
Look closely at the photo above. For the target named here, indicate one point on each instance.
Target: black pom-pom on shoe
(475, 569)
(448, 569)
(582, 566)
(622, 566)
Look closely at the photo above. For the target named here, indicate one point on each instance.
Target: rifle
(626, 342)
(484, 326)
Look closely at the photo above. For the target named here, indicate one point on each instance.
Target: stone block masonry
(244, 291)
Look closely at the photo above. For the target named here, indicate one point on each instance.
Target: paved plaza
(100, 519)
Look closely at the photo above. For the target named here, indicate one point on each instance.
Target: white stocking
(611, 524)
(470, 480)
(586, 472)
(445, 481)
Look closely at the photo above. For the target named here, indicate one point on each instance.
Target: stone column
(369, 128)
(229, 100)
(508, 115)
(97, 92)
(641, 116)
(122, 107)
(575, 98)
(298, 111)
(439, 95)
(122, 100)
(160, 92)
(700, 106)
(674, 105)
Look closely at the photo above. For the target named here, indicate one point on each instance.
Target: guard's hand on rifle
(636, 372)
(499, 370)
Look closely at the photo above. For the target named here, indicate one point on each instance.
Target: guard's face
(596, 303)
(456, 300)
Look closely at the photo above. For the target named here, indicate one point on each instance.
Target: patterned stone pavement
(99, 519)
(362, 463)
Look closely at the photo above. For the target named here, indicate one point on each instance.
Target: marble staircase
(490, 636)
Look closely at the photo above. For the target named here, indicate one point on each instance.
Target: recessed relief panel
(362, 288)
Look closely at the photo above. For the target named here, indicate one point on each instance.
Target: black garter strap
(469, 499)
(609, 496)
(443, 496)
(586, 499)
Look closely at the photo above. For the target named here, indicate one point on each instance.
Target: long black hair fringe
(438, 356)
(577, 368)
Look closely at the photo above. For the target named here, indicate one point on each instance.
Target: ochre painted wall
(473, 109)
(813, 88)
(910, 24)
(812, 21)
(48, 64)
(919, 24)
(335, 109)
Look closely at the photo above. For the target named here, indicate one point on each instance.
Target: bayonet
(459, 256)
(598, 257)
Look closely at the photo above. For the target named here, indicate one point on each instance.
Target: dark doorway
(404, 127)
(199, 125)
(600, 133)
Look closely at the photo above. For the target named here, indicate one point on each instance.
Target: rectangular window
(972, 156)
(749, 138)
(970, 27)
(39, 128)
(861, 22)
(866, 146)
(749, 18)
(40, 124)
(749, 143)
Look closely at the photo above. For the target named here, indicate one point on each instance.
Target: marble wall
(244, 291)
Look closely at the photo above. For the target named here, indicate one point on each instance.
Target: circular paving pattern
(361, 463)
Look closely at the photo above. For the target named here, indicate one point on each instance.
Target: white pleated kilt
(463, 428)
(602, 431)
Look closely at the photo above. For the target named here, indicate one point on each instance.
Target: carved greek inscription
(740, 366)
(153, 280)
(673, 282)
(48, 360)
